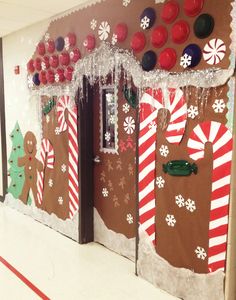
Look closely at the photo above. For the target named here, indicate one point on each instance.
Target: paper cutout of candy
(214, 51)
(180, 32)
(50, 76)
(203, 26)
(75, 55)
(70, 39)
(30, 66)
(149, 60)
(41, 48)
(193, 7)
(138, 42)
(54, 61)
(90, 42)
(50, 46)
(69, 73)
(59, 43)
(159, 36)
(147, 18)
(45, 61)
(36, 80)
(42, 77)
(170, 11)
(121, 31)
(37, 64)
(64, 59)
(167, 59)
(59, 75)
(195, 52)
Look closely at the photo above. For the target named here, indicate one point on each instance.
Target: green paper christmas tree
(16, 173)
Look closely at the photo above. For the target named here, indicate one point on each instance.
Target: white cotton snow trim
(68, 227)
(233, 34)
(116, 242)
(179, 282)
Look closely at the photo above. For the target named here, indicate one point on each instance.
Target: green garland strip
(49, 106)
(131, 96)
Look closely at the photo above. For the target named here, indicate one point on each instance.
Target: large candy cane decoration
(151, 102)
(221, 139)
(46, 152)
(64, 104)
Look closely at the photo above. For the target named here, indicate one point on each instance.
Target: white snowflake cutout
(201, 253)
(185, 60)
(129, 125)
(193, 112)
(170, 220)
(47, 37)
(130, 219)
(219, 106)
(126, 108)
(190, 205)
(30, 81)
(104, 30)
(43, 65)
(114, 39)
(67, 43)
(60, 200)
(105, 192)
(179, 200)
(57, 78)
(152, 125)
(93, 24)
(57, 131)
(164, 150)
(47, 119)
(112, 119)
(63, 168)
(107, 136)
(145, 22)
(160, 182)
(50, 183)
(126, 2)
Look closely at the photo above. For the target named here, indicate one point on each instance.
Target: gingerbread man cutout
(31, 166)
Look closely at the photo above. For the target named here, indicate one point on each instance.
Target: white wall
(17, 50)
(1, 170)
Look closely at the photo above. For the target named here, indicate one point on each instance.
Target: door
(113, 178)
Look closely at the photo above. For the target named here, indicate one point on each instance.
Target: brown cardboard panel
(114, 12)
(177, 244)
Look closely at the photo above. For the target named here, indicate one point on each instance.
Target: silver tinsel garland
(107, 60)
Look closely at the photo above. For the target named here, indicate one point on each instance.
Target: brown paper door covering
(121, 201)
(60, 178)
(177, 244)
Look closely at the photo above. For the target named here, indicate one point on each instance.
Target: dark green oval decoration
(180, 168)
(130, 96)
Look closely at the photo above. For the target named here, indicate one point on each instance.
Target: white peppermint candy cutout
(214, 51)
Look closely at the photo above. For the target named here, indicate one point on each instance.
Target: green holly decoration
(49, 106)
(130, 96)
(16, 173)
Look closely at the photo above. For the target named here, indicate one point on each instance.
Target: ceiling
(17, 14)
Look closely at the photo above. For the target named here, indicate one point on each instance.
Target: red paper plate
(180, 32)
(159, 36)
(138, 42)
(170, 11)
(193, 7)
(167, 59)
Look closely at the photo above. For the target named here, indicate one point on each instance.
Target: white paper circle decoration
(214, 51)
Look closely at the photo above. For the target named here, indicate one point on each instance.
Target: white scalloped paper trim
(233, 35)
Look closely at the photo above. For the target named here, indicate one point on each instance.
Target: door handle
(97, 159)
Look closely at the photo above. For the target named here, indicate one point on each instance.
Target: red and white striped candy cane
(151, 102)
(221, 139)
(64, 104)
(46, 151)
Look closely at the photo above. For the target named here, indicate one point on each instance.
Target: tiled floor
(61, 268)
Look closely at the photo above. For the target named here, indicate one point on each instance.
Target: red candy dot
(64, 58)
(170, 11)
(50, 46)
(42, 77)
(167, 59)
(180, 32)
(54, 61)
(37, 64)
(138, 42)
(30, 66)
(90, 42)
(69, 73)
(121, 31)
(50, 76)
(41, 48)
(193, 7)
(159, 36)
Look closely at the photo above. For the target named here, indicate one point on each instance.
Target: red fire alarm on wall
(17, 70)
